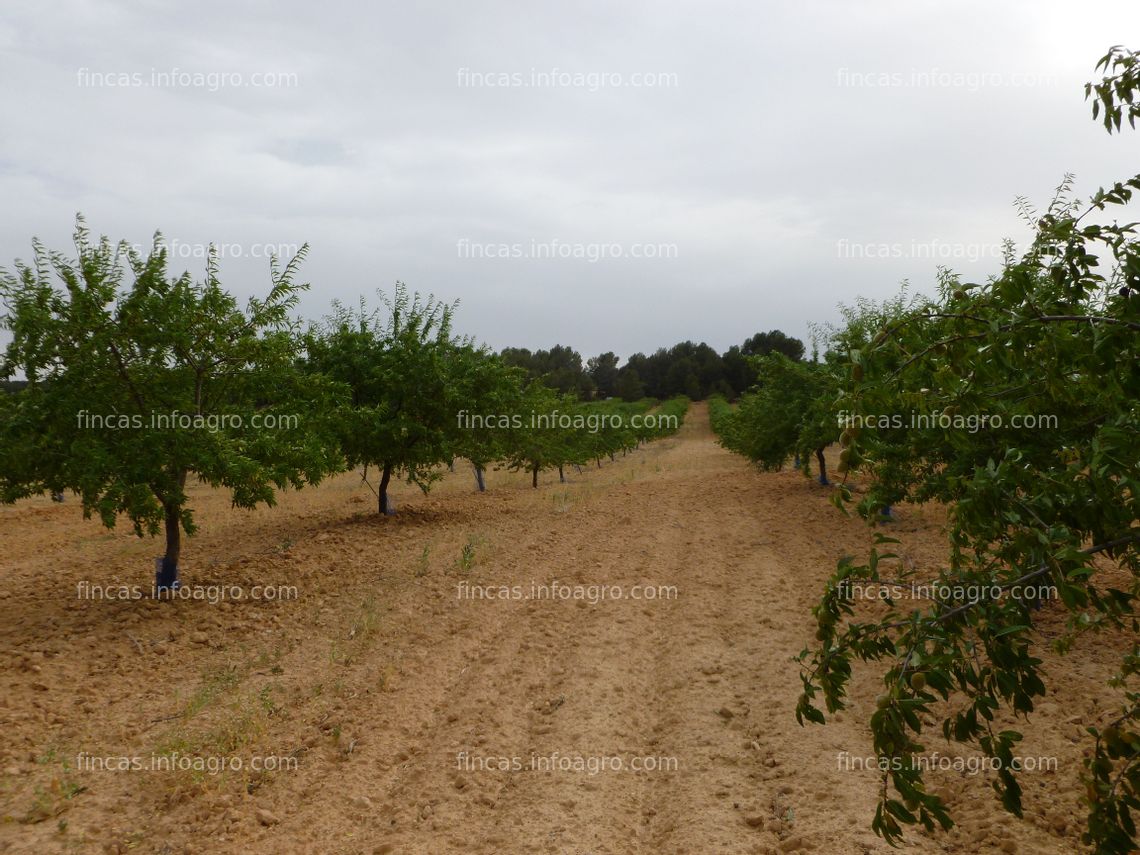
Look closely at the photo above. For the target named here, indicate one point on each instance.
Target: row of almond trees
(1013, 403)
(138, 380)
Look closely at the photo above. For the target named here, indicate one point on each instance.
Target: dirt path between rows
(419, 715)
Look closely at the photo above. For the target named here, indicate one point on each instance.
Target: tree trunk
(166, 572)
(611, 457)
(166, 578)
(561, 475)
(599, 461)
(479, 481)
(822, 467)
(534, 475)
(385, 477)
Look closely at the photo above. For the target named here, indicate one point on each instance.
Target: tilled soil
(408, 711)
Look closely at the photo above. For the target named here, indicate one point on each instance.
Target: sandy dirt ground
(387, 704)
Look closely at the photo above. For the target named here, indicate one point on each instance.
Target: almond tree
(403, 368)
(536, 440)
(788, 413)
(490, 397)
(138, 380)
(1020, 395)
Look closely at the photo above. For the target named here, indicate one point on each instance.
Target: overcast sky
(765, 156)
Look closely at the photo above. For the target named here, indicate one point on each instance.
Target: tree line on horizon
(696, 371)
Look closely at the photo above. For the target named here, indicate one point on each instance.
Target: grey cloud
(761, 153)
